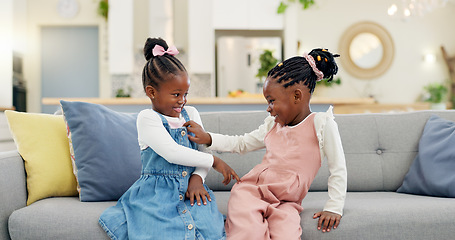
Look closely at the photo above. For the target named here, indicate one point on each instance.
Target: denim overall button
(184, 211)
(190, 226)
(180, 197)
(183, 133)
(184, 173)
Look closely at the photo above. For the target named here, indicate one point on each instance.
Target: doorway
(69, 63)
(237, 59)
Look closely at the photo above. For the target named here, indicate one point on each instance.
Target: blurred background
(393, 52)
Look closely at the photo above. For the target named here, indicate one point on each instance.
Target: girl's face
(170, 98)
(288, 105)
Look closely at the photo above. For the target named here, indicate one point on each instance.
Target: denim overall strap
(185, 115)
(163, 119)
(187, 118)
(166, 124)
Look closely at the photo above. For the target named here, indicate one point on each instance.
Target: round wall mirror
(366, 50)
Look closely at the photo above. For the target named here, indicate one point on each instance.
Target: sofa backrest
(233, 123)
(379, 148)
(6, 140)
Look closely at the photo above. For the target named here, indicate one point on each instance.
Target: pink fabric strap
(159, 51)
(312, 63)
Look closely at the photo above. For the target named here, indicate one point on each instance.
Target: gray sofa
(6, 141)
(379, 150)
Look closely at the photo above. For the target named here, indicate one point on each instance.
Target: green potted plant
(122, 93)
(285, 3)
(321, 89)
(268, 61)
(336, 81)
(436, 95)
(103, 8)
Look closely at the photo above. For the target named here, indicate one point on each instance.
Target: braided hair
(157, 68)
(298, 69)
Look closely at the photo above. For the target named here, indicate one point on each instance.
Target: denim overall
(154, 207)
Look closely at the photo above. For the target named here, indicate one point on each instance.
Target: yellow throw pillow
(43, 144)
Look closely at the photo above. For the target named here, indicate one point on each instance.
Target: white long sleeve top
(329, 146)
(151, 133)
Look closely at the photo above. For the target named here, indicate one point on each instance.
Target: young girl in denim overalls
(266, 203)
(160, 204)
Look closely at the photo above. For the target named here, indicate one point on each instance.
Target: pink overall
(267, 202)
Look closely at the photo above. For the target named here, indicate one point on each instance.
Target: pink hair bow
(159, 51)
(312, 63)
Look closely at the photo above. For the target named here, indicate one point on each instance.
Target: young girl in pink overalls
(266, 203)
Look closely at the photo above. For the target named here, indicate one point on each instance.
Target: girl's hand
(221, 167)
(327, 220)
(196, 190)
(200, 135)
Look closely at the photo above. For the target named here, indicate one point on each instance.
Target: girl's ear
(298, 95)
(150, 91)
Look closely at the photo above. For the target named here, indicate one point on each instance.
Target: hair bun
(150, 44)
(325, 62)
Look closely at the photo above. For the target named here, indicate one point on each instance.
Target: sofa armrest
(13, 192)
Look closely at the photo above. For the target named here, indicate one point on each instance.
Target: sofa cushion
(106, 156)
(383, 215)
(366, 216)
(432, 172)
(42, 143)
(58, 218)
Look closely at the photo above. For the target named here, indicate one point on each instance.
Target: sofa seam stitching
(381, 158)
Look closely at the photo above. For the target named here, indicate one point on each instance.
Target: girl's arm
(194, 115)
(331, 147)
(196, 191)
(337, 182)
(245, 143)
(152, 133)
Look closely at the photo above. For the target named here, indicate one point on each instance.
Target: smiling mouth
(178, 109)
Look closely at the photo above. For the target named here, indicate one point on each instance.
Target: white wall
(161, 19)
(120, 33)
(20, 26)
(6, 53)
(181, 25)
(201, 37)
(141, 24)
(323, 26)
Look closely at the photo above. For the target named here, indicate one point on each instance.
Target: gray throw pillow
(433, 171)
